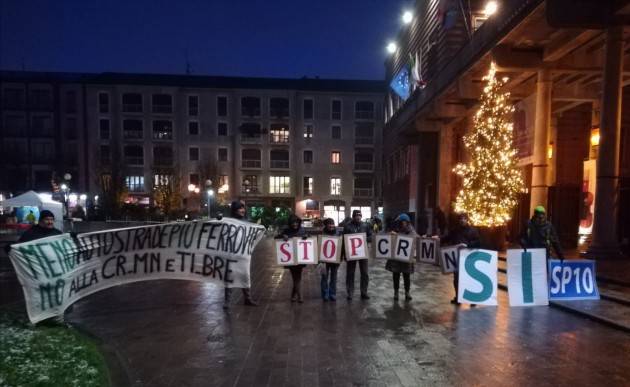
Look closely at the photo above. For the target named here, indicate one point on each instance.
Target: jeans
(329, 281)
(363, 267)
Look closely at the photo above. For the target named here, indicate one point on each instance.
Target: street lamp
(391, 47)
(210, 193)
(407, 17)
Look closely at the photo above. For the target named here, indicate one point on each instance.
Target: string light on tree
(492, 179)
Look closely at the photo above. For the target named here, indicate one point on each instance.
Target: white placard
(384, 245)
(404, 248)
(285, 252)
(449, 258)
(477, 277)
(355, 246)
(329, 249)
(527, 277)
(306, 250)
(428, 250)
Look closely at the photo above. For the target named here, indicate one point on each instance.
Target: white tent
(43, 201)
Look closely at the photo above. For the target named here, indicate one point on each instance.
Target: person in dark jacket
(353, 227)
(329, 273)
(44, 228)
(540, 233)
(294, 229)
(397, 267)
(239, 211)
(465, 236)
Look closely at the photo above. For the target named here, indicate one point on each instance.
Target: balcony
(252, 189)
(363, 166)
(132, 108)
(279, 164)
(162, 109)
(364, 140)
(132, 134)
(251, 164)
(162, 135)
(134, 160)
(363, 192)
(364, 115)
(251, 139)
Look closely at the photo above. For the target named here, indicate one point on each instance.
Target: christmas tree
(492, 179)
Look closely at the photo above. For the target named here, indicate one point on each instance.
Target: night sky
(273, 38)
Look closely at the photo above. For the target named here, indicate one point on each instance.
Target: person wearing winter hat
(238, 210)
(464, 236)
(44, 228)
(329, 270)
(540, 233)
(403, 226)
(353, 227)
(294, 229)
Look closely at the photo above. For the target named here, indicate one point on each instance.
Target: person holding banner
(329, 270)
(403, 226)
(464, 235)
(353, 227)
(239, 211)
(44, 228)
(294, 229)
(540, 233)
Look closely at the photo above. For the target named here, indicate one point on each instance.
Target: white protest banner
(306, 250)
(572, 280)
(355, 246)
(285, 252)
(527, 277)
(404, 248)
(477, 277)
(329, 249)
(428, 250)
(384, 245)
(59, 270)
(449, 258)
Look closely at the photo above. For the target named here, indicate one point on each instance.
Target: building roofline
(199, 81)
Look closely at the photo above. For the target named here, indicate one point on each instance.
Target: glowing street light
(391, 47)
(191, 187)
(407, 17)
(491, 8)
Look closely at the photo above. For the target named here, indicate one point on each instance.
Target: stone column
(605, 239)
(541, 136)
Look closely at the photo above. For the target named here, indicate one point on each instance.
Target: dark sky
(273, 38)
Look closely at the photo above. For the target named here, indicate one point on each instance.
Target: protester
(540, 233)
(294, 229)
(44, 228)
(329, 270)
(397, 267)
(239, 211)
(463, 235)
(353, 227)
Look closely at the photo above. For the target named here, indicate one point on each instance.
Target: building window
(223, 181)
(163, 156)
(162, 180)
(336, 132)
(71, 128)
(279, 134)
(42, 126)
(103, 130)
(162, 130)
(162, 103)
(223, 154)
(335, 186)
(249, 184)
(193, 128)
(133, 130)
(364, 110)
(335, 109)
(132, 103)
(103, 103)
(193, 179)
(335, 157)
(363, 187)
(307, 112)
(363, 161)
(364, 133)
(71, 101)
(13, 99)
(222, 108)
(279, 184)
(279, 158)
(250, 106)
(222, 128)
(308, 131)
(308, 185)
(41, 99)
(251, 158)
(105, 155)
(134, 183)
(193, 154)
(193, 105)
(278, 107)
(308, 157)
(134, 155)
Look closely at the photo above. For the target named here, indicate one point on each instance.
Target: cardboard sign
(527, 277)
(355, 246)
(449, 259)
(477, 277)
(306, 250)
(428, 250)
(404, 248)
(285, 253)
(572, 280)
(384, 245)
(329, 249)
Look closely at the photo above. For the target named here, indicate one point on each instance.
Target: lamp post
(65, 188)
(210, 193)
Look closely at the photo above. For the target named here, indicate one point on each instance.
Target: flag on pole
(416, 70)
(400, 83)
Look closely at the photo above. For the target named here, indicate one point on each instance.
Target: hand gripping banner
(57, 271)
